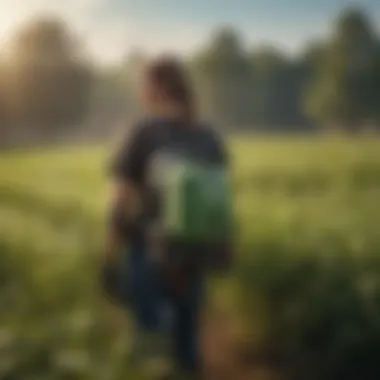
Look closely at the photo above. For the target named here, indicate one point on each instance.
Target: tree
(223, 77)
(48, 80)
(111, 103)
(375, 104)
(343, 90)
(133, 71)
(269, 67)
(4, 127)
(278, 89)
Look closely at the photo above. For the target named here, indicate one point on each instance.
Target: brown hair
(169, 76)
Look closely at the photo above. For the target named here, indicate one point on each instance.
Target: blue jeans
(152, 295)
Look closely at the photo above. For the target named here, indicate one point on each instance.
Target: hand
(109, 258)
(108, 279)
(111, 251)
(112, 283)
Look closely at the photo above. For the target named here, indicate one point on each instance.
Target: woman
(160, 291)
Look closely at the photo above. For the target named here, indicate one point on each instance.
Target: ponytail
(169, 76)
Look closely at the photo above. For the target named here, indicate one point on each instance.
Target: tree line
(49, 86)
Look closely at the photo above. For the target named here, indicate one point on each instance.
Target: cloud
(107, 32)
(110, 28)
(84, 17)
(13, 12)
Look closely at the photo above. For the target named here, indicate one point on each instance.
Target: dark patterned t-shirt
(149, 138)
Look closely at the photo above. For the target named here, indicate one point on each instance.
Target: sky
(112, 28)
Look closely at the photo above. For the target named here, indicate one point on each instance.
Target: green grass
(309, 243)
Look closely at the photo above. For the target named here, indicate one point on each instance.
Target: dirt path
(222, 360)
(222, 357)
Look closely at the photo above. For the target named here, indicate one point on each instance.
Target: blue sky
(113, 27)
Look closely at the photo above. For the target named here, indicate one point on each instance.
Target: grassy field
(306, 283)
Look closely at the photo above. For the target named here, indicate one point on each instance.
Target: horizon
(113, 29)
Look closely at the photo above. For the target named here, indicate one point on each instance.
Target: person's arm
(125, 192)
(229, 246)
(123, 209)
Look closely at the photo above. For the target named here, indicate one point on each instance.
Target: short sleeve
(220, 150)
(130, 160)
